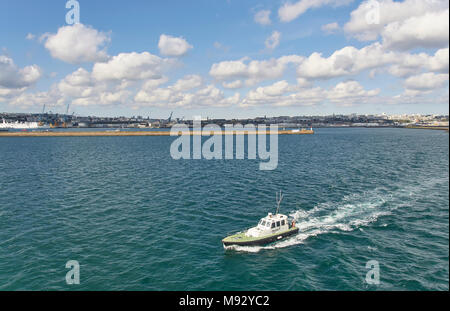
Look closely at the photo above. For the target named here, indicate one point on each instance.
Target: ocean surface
(135, 219)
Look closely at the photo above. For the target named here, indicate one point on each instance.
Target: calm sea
(135, 219)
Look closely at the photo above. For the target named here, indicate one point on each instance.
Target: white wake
(352, 212)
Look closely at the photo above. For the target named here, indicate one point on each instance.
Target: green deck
(241, 237)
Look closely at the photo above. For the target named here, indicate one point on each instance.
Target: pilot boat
(272, 228)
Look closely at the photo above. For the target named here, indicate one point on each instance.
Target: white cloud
(270, 69)
(439, 62)
(151, 84)
(413, 64)
(401, 70)
(113, 98)
(270, 93)
(421, 97)
(28, 100)
(104, 98)
(6, 94)
(233, 84)
(290, 11)
(188, 83)
(330, 28)
(426, 81)
(81, 77)
(12, 77)
(430, 30)
(263, 17)
(229, 70)
(176, 96)
(273, 41)
(391, 12)
(77, 84)
(350, 61)
(346, 61)
(173, 46)
(254, 71)
(77, 44)
(130, 66)
(282, 93)
(350, 92)
(113, 82)
(213, 97)
(80, 89)
(110, 83)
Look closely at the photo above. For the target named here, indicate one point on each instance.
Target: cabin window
(273, 225)
(263, 223)
(268, 224)
(278, 223)
(282, 222)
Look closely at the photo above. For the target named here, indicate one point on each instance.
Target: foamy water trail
(352, 212)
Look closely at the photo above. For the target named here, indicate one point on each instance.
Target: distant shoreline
(440, 128)
(136, 133)
(112, 133)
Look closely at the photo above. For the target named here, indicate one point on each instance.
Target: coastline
(137, 133)
(167, 133)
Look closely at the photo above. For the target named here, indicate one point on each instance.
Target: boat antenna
(279, 199)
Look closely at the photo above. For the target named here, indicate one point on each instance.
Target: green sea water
(135, 219)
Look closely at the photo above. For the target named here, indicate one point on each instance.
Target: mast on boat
(279, 197)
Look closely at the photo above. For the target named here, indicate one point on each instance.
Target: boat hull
(234, 240)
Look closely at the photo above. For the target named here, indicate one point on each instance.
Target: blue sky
(221, 54)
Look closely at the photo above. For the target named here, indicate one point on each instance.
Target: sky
(224, 58)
